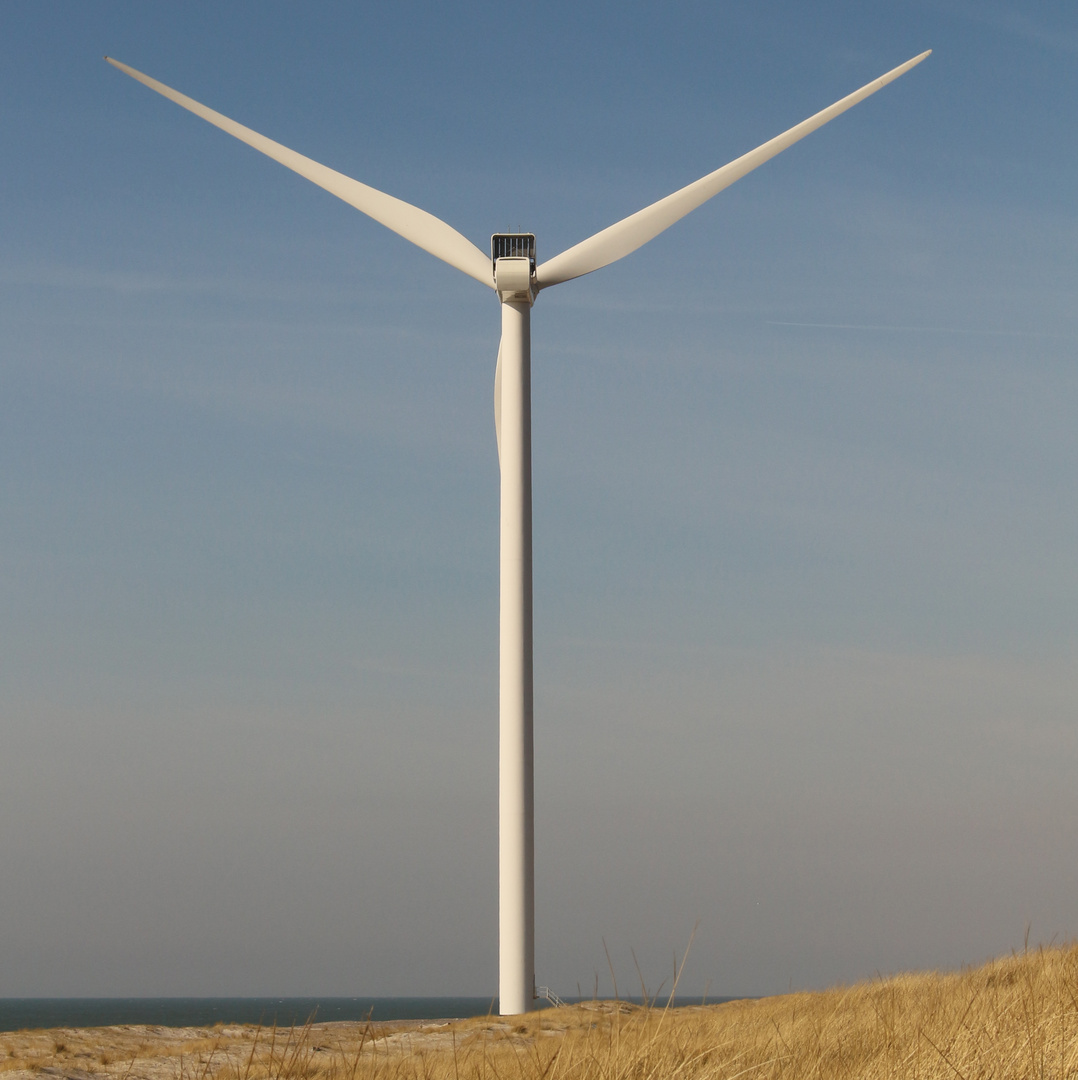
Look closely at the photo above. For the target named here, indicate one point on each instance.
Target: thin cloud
(1017, 23)
(959, 330)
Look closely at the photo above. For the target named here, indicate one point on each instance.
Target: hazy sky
(805, 497)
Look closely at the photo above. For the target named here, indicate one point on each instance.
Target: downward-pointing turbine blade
(423, 229)
(624, 237)
(498, 402)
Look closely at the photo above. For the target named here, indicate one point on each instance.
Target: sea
(20, 1014)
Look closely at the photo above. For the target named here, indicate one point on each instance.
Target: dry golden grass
(1014, 1017)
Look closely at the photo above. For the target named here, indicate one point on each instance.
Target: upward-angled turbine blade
(624, 237)
(423, 229)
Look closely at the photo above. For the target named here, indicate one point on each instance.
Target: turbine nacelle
(513, 259)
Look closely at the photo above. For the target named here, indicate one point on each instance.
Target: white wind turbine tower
(511, 271)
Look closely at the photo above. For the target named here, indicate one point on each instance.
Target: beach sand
(238, 1051)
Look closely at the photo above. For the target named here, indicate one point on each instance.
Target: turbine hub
(513, 259)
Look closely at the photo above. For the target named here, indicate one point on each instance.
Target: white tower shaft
(516, 827)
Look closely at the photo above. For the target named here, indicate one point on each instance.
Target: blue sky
(806, 668)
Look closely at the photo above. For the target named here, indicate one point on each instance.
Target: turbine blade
(498, 401)
(624, 237)
(423, 229)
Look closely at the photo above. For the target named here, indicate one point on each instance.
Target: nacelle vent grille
(513, 246)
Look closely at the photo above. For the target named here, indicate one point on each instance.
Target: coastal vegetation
(1013, 1017)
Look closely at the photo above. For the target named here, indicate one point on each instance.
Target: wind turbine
(511, 271)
